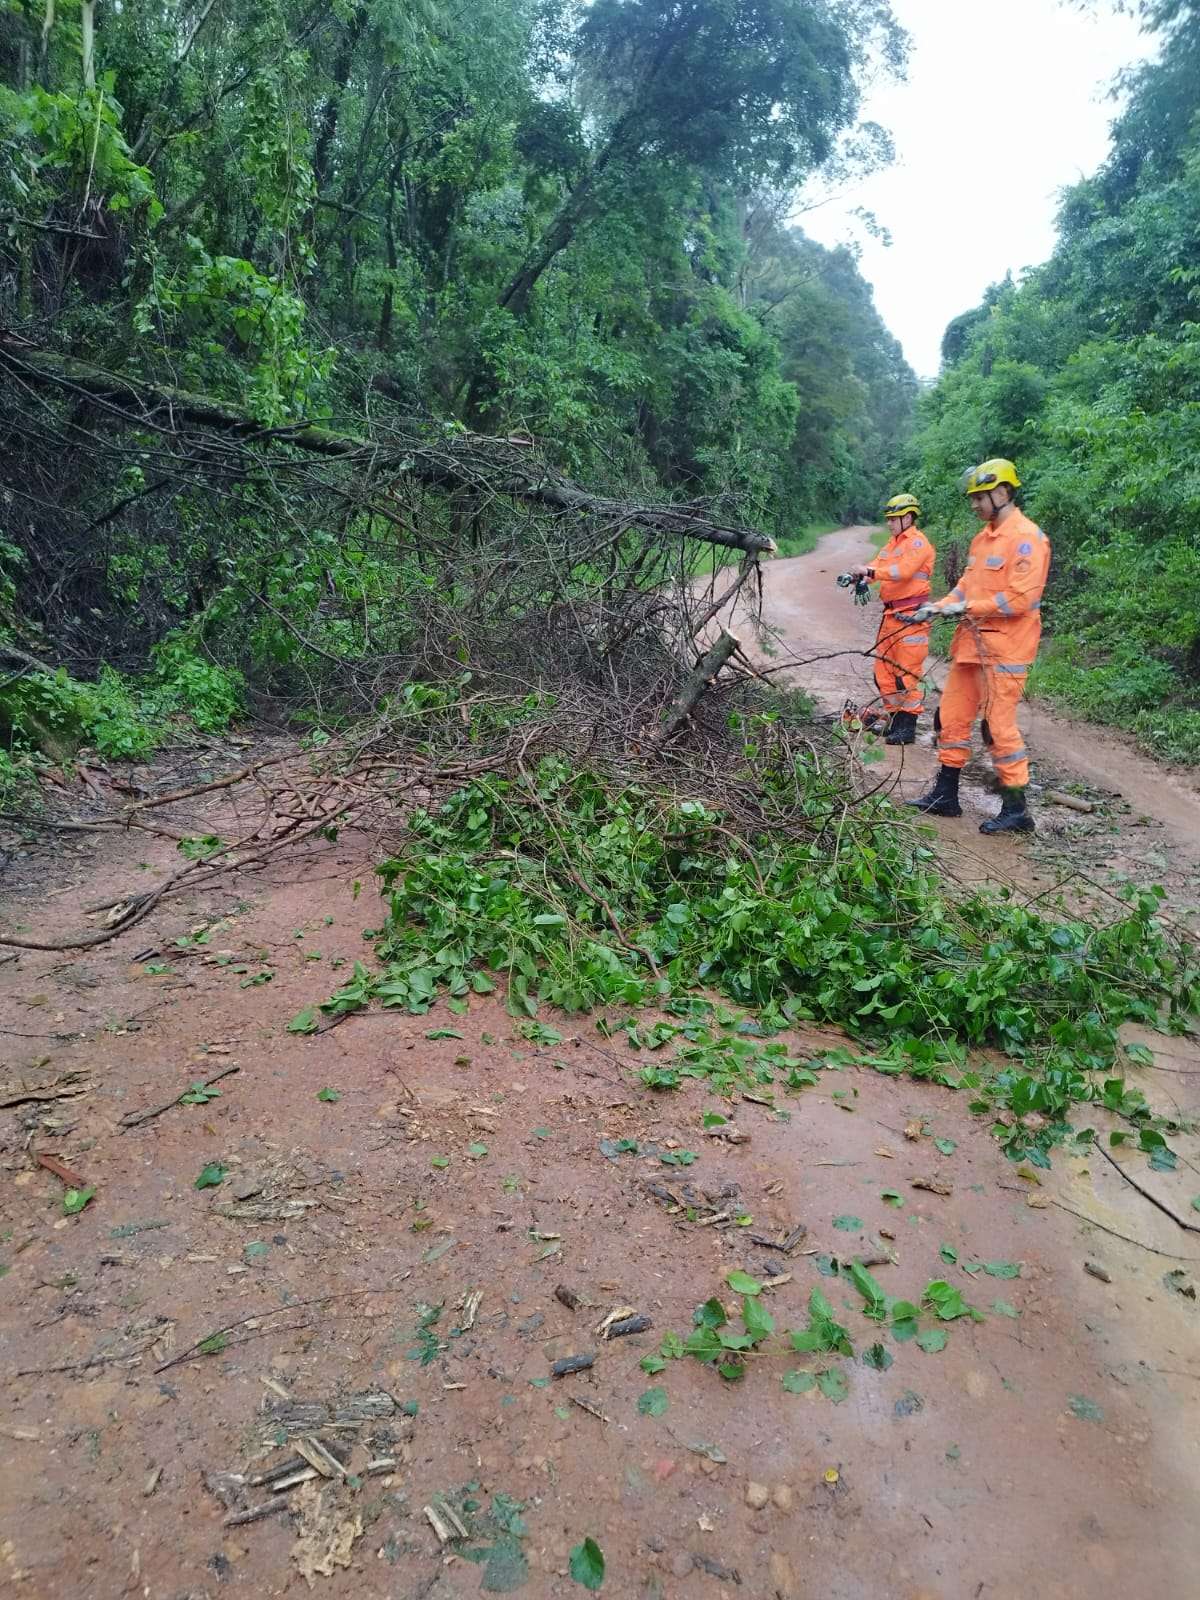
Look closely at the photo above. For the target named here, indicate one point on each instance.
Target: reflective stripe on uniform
(954, 744)
(1036, 606)
(1001, 600)
(893, 571)
(1011, 666)
(1009, 760)
(916, 638)
(994, 561)
(956, 593)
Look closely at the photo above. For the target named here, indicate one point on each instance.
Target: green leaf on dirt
(304, 1021)
(541, 1133)
(946, 1146)
(711, 1314)
(871, 1291)
(330, 1097)
(759, 1322)
(946, 1301)
(211, 1175)
(892, 1197)
(213, 1345)
(440, 1162)
(1003, 1309)
(677, 1158)
(742, 1283)
(199, 1095)
(848, 1224)
(538, 1032)
(478, 1151)
(587, 1564)
(75, 1200)
(948, 1254)
(254, 1250)
(613, 1149)
(1002, 1269)
(257, 978)
(932, 1340)
(877, 1356)
(671, 1346)
(199, 849)
(798, 1382)
(833, 1385)
(700, 1447)
(713, 1119)
(443, 1033)
(1083, 1408)
(652, 1364)
(823, 1331)
(652, 1402)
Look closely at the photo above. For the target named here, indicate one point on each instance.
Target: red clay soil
(168, 1343)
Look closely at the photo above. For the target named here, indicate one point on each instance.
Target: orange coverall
(995, 643)
(902, 569)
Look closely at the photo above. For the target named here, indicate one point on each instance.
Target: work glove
(928, 610)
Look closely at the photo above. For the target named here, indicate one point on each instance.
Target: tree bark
(689, 697)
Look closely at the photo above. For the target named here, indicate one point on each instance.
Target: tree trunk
(87, 27)
(706, 671)
(575, 209)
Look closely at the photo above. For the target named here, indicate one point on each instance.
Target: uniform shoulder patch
(1024, 548)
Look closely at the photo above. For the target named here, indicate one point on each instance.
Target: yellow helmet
(988, 474)
(900, 505)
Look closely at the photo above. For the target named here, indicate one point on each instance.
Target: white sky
(1004, 98)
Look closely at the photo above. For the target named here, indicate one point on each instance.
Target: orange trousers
(993, 692)
(901, 647)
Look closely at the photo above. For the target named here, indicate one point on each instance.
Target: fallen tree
(476, 464)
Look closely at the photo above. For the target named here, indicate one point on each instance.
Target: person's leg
(885, 671)
(959, 706)
(1005, 689)
(908, 648)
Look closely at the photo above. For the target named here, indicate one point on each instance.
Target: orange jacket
(903, 568)
(1002, 585)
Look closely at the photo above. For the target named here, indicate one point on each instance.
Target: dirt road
(810, 620)
(359, 1239)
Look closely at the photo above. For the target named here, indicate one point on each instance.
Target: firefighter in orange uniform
(998, 598)
(903, 570)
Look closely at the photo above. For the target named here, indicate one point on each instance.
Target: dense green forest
(561, 225)
(1087, 373)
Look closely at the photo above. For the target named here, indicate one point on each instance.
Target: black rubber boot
(1013, 816)
(903, 729)
(942, 799)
